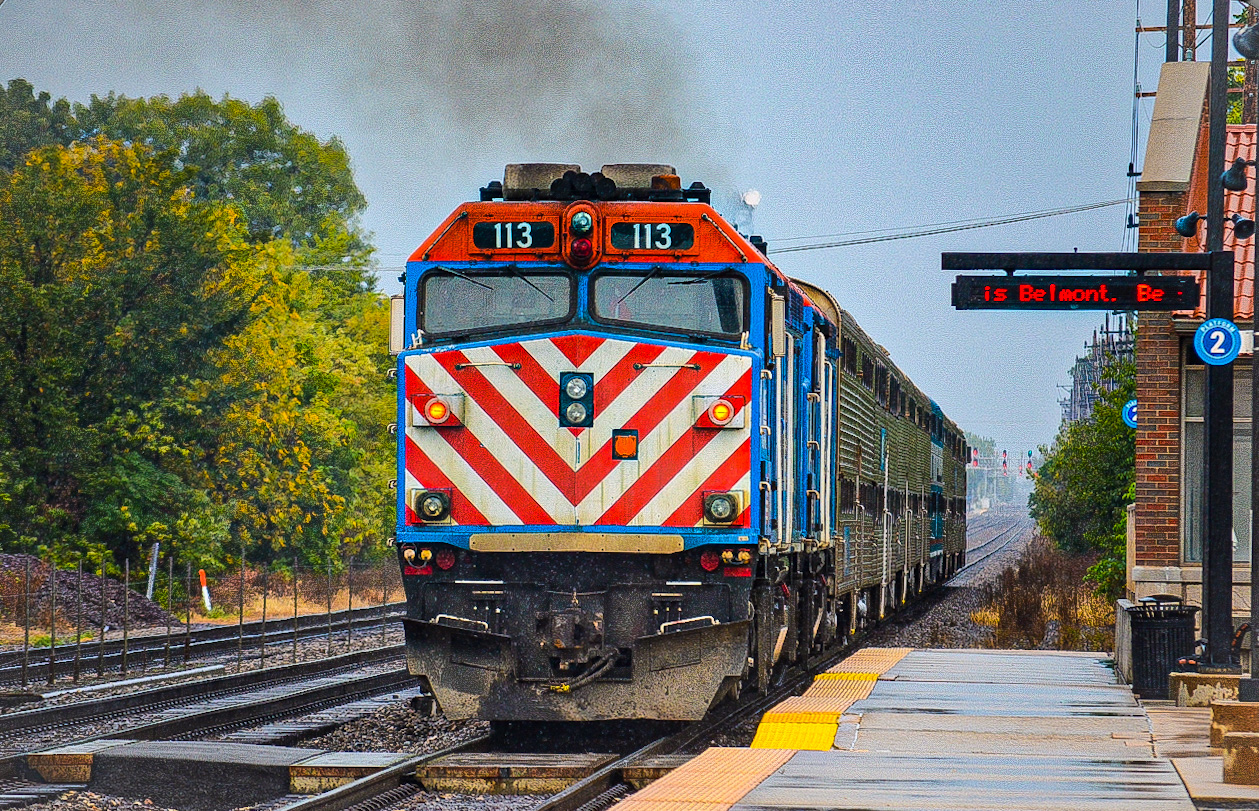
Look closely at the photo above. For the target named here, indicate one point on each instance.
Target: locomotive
(639, 468)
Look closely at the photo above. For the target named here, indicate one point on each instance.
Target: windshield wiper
(465, 277)
(512, 270)
(711, 275)
(653, 274)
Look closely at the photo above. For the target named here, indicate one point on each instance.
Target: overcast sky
(846, 116)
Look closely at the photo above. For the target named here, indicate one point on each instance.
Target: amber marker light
(625, 444)
(721, 412)
(436, 411)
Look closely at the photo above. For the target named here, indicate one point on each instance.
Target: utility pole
(1189, 22)
(1217, 497)
(1248, 688)
(1250, 80)
(1173, 30)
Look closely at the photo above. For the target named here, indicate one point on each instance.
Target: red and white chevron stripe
(510, 463)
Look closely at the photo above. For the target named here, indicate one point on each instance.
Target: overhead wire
(948, 228)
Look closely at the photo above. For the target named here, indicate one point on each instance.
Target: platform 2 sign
(1075, 293)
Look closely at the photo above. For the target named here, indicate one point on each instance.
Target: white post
(148, 592)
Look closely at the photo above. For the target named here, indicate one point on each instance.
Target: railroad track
(198, 709)
(380, 791)
(199, 643)
(999, 542)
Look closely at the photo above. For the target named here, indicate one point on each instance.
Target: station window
(1193, 393)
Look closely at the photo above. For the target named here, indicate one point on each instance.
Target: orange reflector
(625, 446)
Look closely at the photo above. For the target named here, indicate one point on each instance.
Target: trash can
(1162, 631)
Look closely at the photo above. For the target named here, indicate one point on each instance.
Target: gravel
(36, 740)
(430, 801)
(398, 728)
(278, 653)
(140, 612)
(87, 801)
(944, 620)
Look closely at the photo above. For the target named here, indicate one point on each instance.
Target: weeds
(1042, 602)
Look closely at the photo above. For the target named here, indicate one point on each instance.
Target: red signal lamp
(581, 235)
(719, 412)
(709, 560)
(582, 251)
(436, 411)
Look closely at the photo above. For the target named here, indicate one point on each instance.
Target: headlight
(433, 506)
(575, 413)
(721, 508)
(576, 389)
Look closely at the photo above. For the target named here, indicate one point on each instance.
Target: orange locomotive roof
(715, 240)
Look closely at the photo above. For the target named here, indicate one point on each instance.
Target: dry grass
(1042, 602)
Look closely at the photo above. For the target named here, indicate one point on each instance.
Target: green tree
(190, 348)
(1087, 480)
(29, 120)
(116, 282)
(288, 184)
(294, 411)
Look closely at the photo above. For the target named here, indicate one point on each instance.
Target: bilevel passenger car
(639, 468)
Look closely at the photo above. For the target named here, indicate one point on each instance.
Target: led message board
(1075, 293)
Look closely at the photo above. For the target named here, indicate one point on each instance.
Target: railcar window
(697, 303)
(849, 350)
(847, 495)
(455, 301)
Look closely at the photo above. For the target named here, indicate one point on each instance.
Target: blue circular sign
(1218, 341)
(1130, 413)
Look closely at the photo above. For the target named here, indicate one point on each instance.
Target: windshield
(454, 301)
(708, 303)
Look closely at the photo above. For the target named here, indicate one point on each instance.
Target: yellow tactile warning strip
(714, 781)
(814, 736)
(871, 660)
(810, 721)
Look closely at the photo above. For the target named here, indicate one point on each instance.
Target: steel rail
(264, 710)
(63, 715)
(204, 641)
(1021, 527)
(373, 785)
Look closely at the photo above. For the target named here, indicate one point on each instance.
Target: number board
(1075, 293)
(652, 236)
(518, 236)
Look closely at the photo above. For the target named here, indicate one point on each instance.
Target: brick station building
(1165, 527)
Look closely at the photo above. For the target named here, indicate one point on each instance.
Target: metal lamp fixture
(1187, 226)
(1246, 41)
(1235, 177)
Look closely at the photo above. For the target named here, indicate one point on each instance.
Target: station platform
(894, 728)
